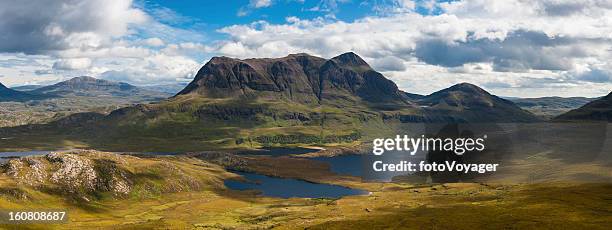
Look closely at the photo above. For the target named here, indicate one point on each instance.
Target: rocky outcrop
(70, 173)
(86, 175)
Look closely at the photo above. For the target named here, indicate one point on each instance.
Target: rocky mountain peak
(351, 60)
(298, 77)
(468, 88)
(83, 79)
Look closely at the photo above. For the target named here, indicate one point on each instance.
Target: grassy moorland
(189, 123)
(188, 193)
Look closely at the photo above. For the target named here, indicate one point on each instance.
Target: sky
(519, 48)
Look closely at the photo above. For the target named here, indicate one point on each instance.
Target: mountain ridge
(297, 99)
(297, 77)
(597, 110)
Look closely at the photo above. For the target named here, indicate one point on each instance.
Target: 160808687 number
(29, 216)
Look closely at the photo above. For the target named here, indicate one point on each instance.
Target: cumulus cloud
(156, 42)
(519, 51)
(56, 39)
(596, 75)
(41, 26)
(72, 64)
(156, 68)
(389, 63)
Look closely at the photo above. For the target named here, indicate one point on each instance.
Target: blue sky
(209, 16)
(509, 47)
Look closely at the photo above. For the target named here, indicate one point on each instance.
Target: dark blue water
(352, 165)
(361, 165)
(286, 188)
(278, 151)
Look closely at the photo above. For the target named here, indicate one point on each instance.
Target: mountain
(299, 78)
(77, 95)
(549, 107)
(91, 87)
(7, 94)
(469, 103)
(297, 99)
(597, 110)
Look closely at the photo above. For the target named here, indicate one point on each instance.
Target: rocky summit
(87, 174)
(298, 77)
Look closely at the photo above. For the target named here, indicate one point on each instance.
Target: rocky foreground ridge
(86, 175)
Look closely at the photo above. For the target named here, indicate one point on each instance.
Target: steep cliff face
(299, 77)
(597, 110)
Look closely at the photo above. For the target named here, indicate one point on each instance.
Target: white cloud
(72, 64)
(152, 70)
(253, 4)
(261, 3)
(43, 26)
(56, 40)
(156, 42)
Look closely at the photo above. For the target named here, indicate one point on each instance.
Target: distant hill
(7, 94)
(91, 87)
(166, 88)
(597, 110)
(549, 107)
(469, 103)
(81, 94)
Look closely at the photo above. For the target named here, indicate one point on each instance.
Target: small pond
(287, 188)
